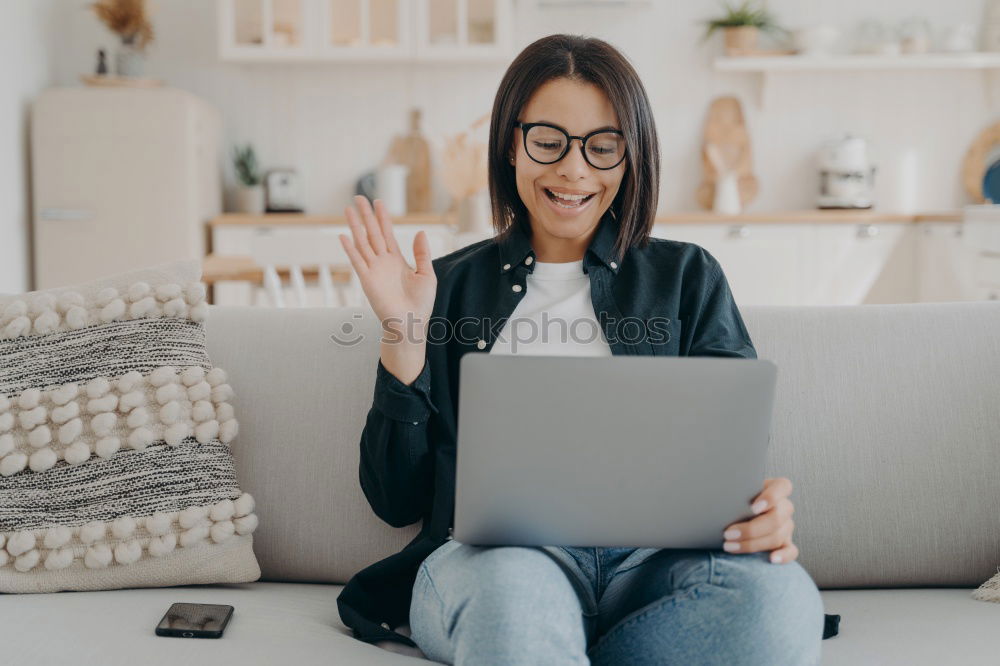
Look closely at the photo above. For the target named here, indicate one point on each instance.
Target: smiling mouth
(567, 203)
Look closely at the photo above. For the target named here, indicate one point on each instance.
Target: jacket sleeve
(717, 327)
(397, 467)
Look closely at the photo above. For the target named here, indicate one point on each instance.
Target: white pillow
(989, 591)
(115, 469)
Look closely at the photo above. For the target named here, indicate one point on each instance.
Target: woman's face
(559, 233)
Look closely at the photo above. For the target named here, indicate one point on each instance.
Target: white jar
(390, 187)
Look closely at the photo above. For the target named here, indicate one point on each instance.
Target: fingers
(788, 553)
(774, 491)
(375, 237)
(422, 254)
(761, 532)
(385, 225)
(357, 261)
(769, 541)
(364, 249)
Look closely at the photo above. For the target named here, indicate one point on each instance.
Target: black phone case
(191, 631)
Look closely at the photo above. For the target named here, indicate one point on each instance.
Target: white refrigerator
(122, 178)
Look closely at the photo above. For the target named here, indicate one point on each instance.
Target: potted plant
(130, 21)
(249, 195)
(741, 26)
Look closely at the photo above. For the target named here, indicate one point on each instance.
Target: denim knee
(515, 604)
(782, 600)
(721, 609)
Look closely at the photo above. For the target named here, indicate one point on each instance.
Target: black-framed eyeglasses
(547, 144)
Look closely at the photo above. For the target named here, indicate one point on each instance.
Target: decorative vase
(474, 214)
(727, 194)
(741, 40)
(249, 199)
(129, 60)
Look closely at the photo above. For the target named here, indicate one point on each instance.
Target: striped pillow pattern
(115, 466)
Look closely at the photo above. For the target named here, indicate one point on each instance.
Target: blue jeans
(513, 605)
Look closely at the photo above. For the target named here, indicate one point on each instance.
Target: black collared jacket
(668, 298)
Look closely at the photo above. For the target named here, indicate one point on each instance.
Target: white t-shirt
(555, 317)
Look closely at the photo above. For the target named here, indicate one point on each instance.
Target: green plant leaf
(746, 14)
(245, 163)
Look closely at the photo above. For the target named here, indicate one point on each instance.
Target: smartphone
(195, 621)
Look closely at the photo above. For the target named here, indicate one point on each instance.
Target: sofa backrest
(887, 421)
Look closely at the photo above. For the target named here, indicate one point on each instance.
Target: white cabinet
(809, 263)
(946, 264)
(250, 28)
(982, 242)
(852, 264)
(365, 30)
(463, 29)
(762, 262)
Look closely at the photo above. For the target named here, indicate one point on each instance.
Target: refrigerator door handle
(65, 214)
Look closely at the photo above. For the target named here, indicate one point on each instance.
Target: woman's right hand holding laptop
(401, 296)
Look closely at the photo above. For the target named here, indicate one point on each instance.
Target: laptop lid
(638, 451)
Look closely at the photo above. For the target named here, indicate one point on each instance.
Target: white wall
(27, 37)
(334, 121)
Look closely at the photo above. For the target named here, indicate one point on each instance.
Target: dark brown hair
(586, 60)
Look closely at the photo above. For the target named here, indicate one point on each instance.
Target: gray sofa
(887, 420)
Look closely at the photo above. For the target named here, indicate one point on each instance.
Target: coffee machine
(846, 174)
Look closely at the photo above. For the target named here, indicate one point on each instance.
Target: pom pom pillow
(115, 469)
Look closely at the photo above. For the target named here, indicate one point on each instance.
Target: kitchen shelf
(806, 63)
(764, 67)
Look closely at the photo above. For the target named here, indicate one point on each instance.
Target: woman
(574, 173)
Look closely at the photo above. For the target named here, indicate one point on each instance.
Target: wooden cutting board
(413, 151)
(976, 159)
(726, 129)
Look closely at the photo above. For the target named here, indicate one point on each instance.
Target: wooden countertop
(827, 216)
(219, 268)
(279, 219)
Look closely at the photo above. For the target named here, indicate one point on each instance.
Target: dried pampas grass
(126, 18)
(463, 163)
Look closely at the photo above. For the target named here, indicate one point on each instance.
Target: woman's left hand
(771, 529)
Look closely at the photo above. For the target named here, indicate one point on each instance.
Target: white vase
(390, 187)
(129, 61)
(727, 195)
(249, 199)
(474, 214)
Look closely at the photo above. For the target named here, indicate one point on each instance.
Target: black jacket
(669, 298)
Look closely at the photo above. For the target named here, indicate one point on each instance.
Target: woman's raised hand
(394, 289)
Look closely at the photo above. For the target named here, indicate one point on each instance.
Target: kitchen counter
(828, 216)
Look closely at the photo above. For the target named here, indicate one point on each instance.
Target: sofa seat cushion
(296, 623)
(273, 623)
(900, 627)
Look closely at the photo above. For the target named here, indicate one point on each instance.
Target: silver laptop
(659, 452)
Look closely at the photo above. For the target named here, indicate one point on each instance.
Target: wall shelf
(806, 63)
(764, 67)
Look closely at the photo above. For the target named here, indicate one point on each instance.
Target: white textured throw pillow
(990, 590)
(115, 468)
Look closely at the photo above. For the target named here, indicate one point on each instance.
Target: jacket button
(527, 262)
(516, 287)
(614, 265)
(506, 267)
(481, 344)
